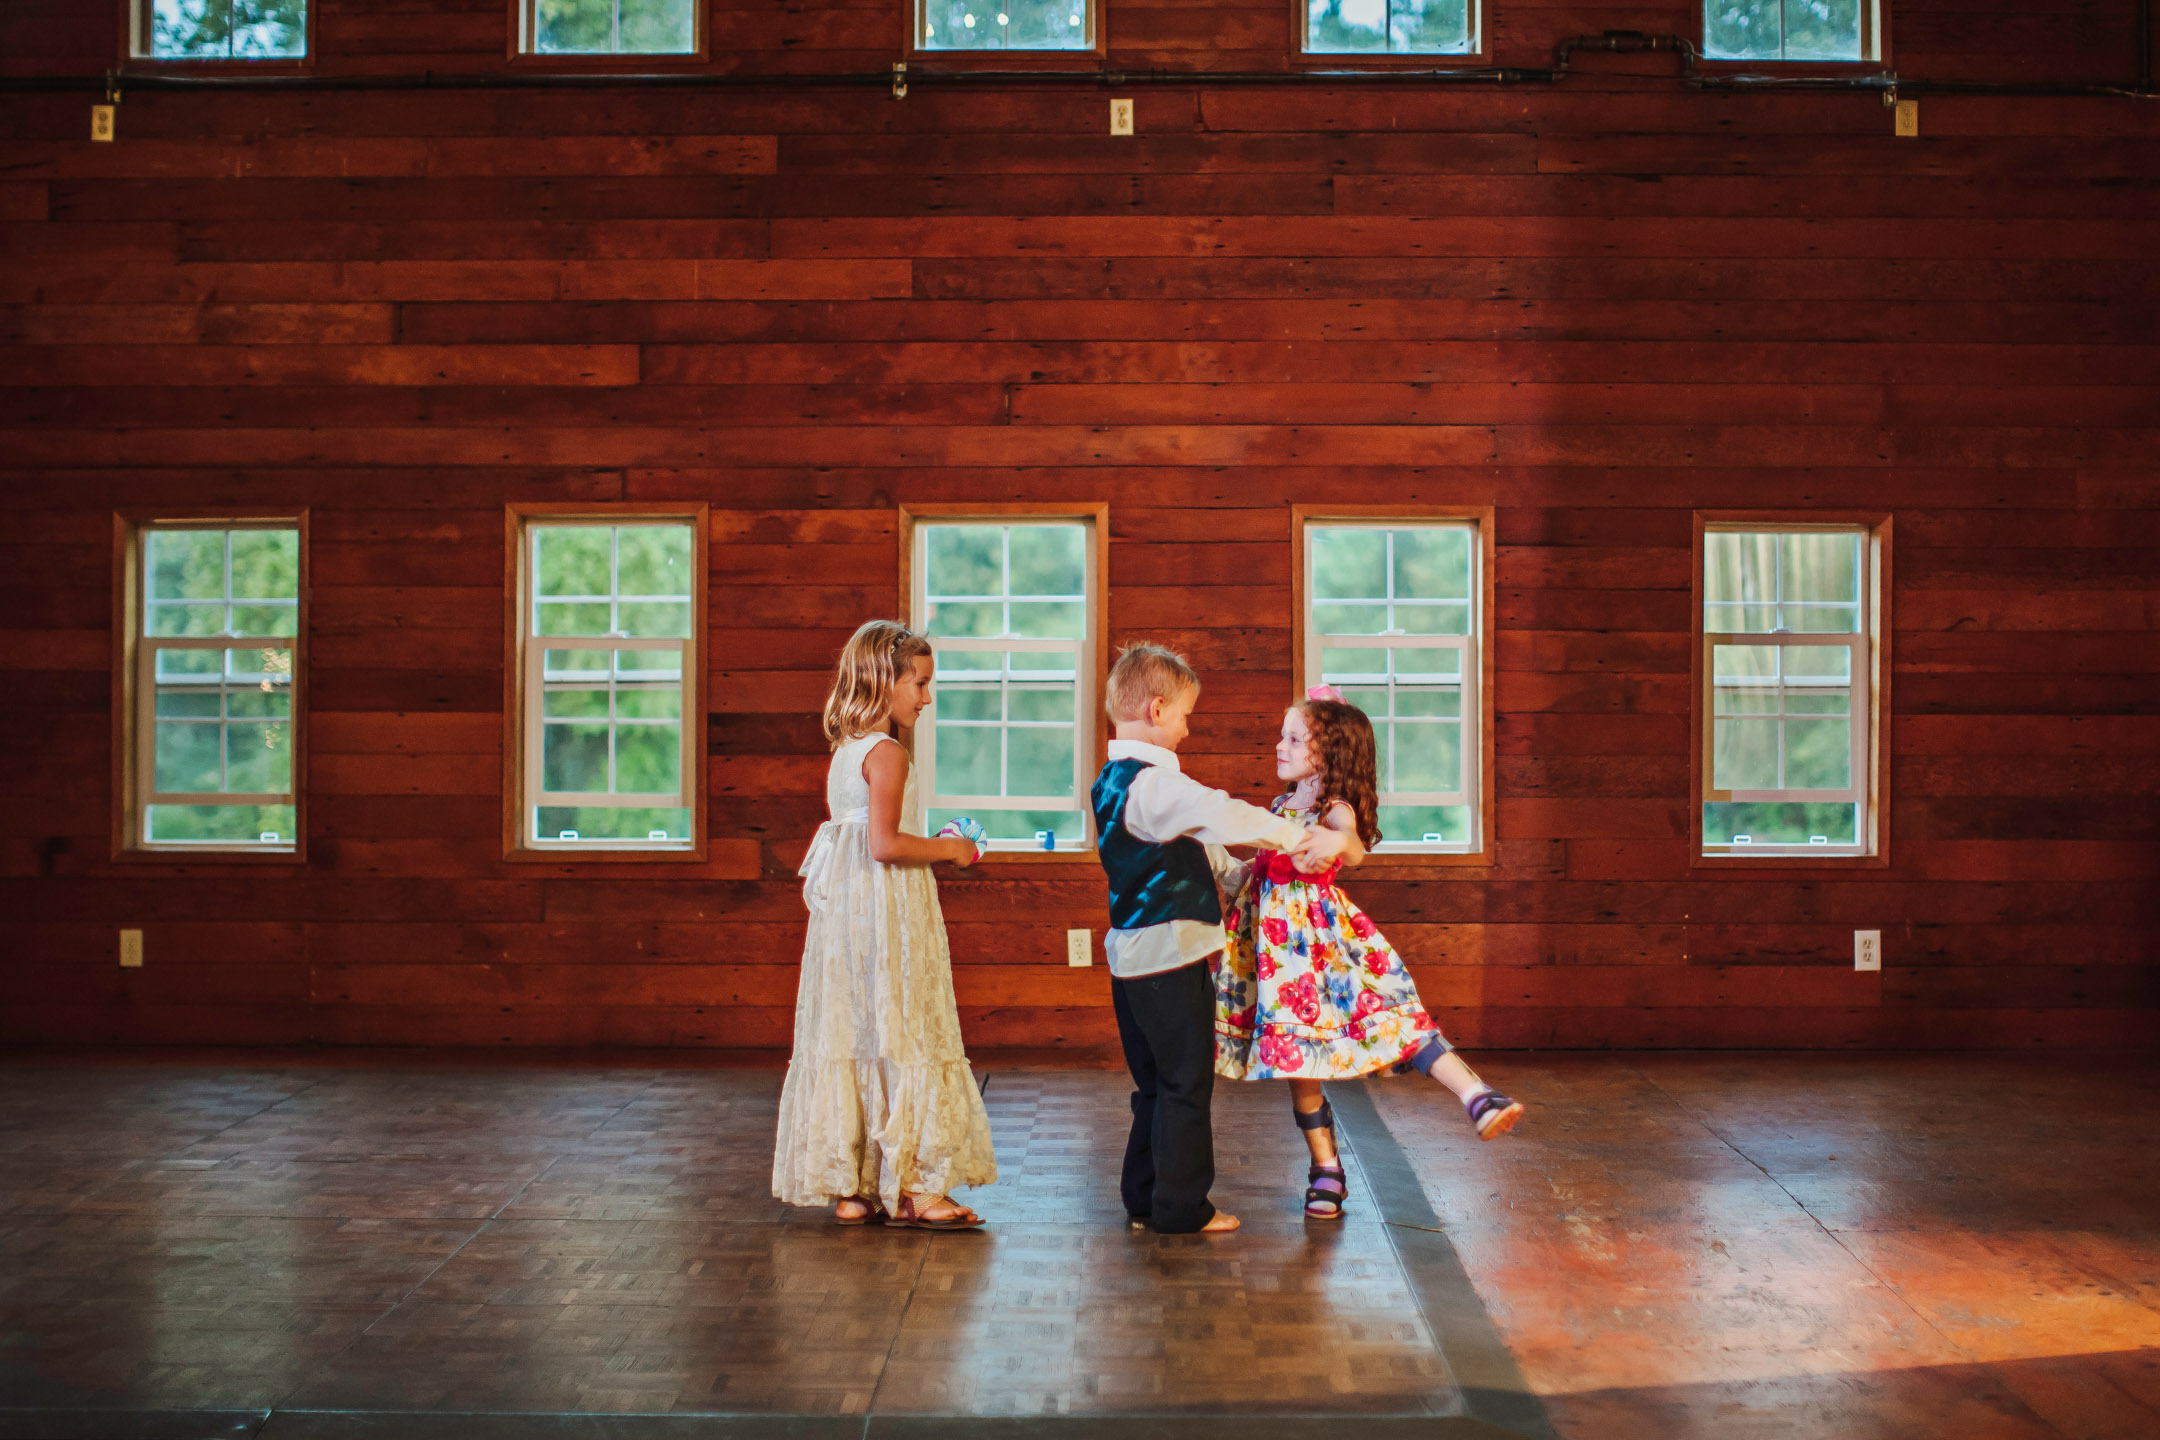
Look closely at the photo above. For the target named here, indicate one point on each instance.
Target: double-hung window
(212, 674)
(1393, 618)
(1789, 677)
(607, 745)
(1010, 603)
(244, 30)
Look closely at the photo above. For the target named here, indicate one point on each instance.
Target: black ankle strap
(1320, 1119)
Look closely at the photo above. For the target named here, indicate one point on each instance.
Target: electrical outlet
(1867, 949)
(131, 949)
(1079, 948)
(1908, 118)
(101, 122)
(1121, 117)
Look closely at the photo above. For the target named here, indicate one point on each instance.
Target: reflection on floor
(1671, 1246)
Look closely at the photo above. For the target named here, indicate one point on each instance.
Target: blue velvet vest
(1149, 884)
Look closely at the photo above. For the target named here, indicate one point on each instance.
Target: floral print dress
(1307, 988)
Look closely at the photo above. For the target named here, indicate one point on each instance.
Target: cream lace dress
(878, 1099)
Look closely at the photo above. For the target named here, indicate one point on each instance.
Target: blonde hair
(1144, 672)
(871, 663)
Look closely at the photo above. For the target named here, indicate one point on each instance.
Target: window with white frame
(1004, 24)
(1391, 617)
(1787, 671)
(1794, 30)
(1391, 27)
(608, 684)
(215, 654)
(221, 29)
(1009, 608)
(610, 27)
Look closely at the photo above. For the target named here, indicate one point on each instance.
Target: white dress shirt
(1161, 804)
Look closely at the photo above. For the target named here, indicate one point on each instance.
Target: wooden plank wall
(1596, 306)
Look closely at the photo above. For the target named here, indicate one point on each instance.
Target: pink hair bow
(1324, 692)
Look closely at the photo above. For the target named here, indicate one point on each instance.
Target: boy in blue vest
(1159, 833)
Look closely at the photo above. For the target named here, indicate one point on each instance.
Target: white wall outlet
(131, 949)
(1867, 949)
(1079, 948)
(101, 123)
(1121, 119)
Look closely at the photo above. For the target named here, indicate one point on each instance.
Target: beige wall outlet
(1908, 118)
(131, 949)
(1121, 117)
(1867, 949)
(101, 122)
(1079, 948)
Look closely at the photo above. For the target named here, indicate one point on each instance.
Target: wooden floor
(1671, 1246)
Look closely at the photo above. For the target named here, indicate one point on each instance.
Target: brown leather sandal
(905, 1217)
(873, 1210)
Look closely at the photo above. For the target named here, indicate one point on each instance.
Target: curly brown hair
(1347, 758)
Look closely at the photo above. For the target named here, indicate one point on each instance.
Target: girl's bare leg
(1450, 1071)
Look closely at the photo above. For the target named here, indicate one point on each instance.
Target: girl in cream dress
(879, 1117)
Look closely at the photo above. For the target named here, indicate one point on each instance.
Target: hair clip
(1324, 692)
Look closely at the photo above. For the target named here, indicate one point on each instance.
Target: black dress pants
(1166, 1023)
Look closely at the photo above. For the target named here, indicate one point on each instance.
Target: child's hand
(959, 850)
(1320, 848)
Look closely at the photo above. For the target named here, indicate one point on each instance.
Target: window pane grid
(1391, 622)
(1397, 27)
(1005, 25)
(1006, 606)
(609, 760)
(611, 27)
(226, 29)
(217, 636)
(1786, 689)
(1787, 30)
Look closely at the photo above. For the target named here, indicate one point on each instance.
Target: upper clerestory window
(1391, 27)
(610, 27)
(221, 30)
(1791, 30)
(1004, 24)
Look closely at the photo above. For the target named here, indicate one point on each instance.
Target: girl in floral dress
(1308, 989)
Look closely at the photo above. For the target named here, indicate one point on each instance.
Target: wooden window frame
(1479, 57)
(129, 735)
(1878, 17)
(135, 30)
(1092, 741)
(519, 51)
(1482, 710)
(1089, 57)
(520, 705)
(1876, 599)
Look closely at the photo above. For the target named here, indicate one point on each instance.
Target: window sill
(1776, 866)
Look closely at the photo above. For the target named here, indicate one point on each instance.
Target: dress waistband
(816, 868)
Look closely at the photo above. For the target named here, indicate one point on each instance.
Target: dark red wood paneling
(1595, 307)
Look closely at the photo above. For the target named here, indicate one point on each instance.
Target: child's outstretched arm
(1165, 804)
(885, 769)
(1341, 819)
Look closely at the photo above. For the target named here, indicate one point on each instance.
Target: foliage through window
(1786, 669)
(1788, 30)
(1391, 620)
(611, 27)
(1009, 611)
(1005, 25)
(219, 627)
(1390, 27)
(223, 29)
(608, 665)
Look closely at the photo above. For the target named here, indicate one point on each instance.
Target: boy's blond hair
(1142, 673)
(876, 656)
